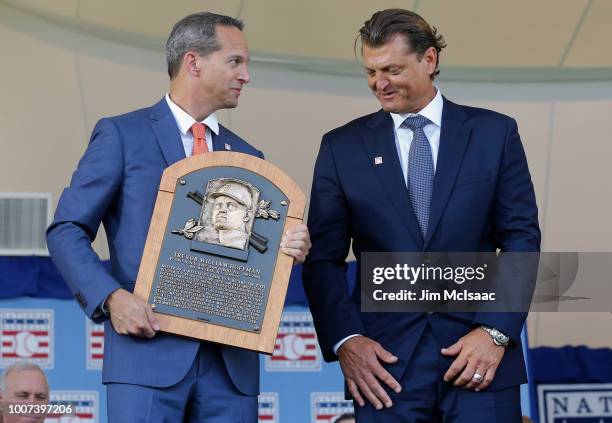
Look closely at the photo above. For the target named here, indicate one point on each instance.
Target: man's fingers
(476, 381)
(486, 381)
(352, 387)
(389, 380)
(297, 238)
(146, 330)
(295, 244)
(143, 315)
(360, 360)
(142, 327)
(297, 254)
(453, 349)
(297, 234)
(298, 229)
(136, 318)
(151, 317)
(385, 355)
(365, 390)
(465, 376)
(455, 369)
(378, 390)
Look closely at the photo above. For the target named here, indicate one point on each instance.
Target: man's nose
(244, 76)
(381, 83)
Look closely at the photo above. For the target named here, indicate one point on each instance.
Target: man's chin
(390, 106)
(231, 104)
(393, 107)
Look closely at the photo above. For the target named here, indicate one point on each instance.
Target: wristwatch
(499, 338)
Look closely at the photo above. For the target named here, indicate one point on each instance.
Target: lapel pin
(377, 160)
(228, 147)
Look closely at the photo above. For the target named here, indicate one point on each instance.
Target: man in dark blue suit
(421, 175)
(155, 377)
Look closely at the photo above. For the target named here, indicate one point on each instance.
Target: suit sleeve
(516, 228)
(80, 210)
(335, 315)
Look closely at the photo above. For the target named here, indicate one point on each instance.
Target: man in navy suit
(421, 175)
(156, 377)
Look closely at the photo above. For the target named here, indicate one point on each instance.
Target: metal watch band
(499, 338)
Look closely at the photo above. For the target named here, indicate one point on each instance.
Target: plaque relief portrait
(228, 212)
(228, 209)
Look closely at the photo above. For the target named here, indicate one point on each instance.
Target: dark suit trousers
(205, 395)
(426, 398)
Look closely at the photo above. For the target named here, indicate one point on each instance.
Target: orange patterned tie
(199, 138)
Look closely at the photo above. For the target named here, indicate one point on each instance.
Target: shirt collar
(433, 112)
(184, 120)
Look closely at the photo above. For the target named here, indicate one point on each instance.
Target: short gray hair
(20, 366)
(195, 32)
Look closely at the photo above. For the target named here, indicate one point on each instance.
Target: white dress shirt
(403, 139)
(184, 121)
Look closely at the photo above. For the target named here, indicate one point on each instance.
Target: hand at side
(360, 362)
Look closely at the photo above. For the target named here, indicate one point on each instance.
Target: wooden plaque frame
(264, 340)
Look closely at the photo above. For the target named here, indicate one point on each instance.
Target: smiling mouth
(387, 94)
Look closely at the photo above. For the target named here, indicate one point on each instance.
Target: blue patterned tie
(420, 170)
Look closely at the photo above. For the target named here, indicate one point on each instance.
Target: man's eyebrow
(240, 57)
(384, 67)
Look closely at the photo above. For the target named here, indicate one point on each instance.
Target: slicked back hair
(195, 32)
(384, 25)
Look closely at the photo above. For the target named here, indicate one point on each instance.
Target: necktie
(198, 130)
(420, 170)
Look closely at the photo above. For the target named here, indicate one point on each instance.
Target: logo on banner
(95, 345)
(328, 406)
(268, 407)
(27, 335)
(84, 405)
(579, 403)
(296, 346)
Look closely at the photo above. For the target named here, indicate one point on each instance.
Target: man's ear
(431, 60)
(190, 63)
(247, 216)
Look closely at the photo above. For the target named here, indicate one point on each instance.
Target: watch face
(502, 338)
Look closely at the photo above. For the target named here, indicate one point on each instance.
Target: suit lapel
(379, 142)
(166, 132)
(454, 137)
(222, 141)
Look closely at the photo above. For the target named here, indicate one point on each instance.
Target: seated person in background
(346, 418)
(22, 383)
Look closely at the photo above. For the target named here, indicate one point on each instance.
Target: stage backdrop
(296, 385)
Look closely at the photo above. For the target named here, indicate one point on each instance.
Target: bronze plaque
(212, 268)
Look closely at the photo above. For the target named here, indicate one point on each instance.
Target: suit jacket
(116, 183)
(482, 199)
